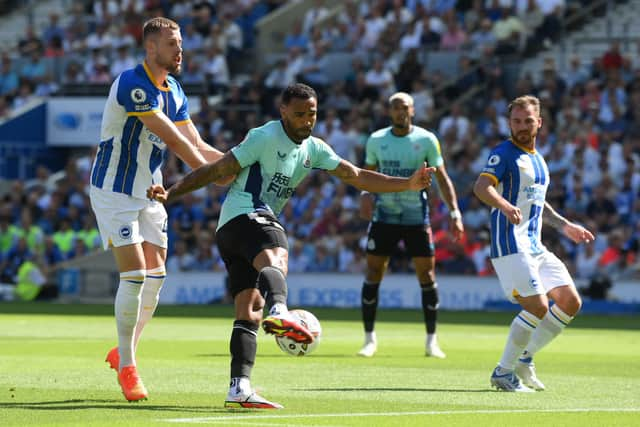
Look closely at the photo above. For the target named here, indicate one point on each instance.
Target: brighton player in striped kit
(514, 183)
(145, 113)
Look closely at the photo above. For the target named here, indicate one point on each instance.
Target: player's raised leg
(271, 265)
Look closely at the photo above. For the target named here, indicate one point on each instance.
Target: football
(311, 322)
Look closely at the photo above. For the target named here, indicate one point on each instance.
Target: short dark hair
(298, 90)
(155, 25)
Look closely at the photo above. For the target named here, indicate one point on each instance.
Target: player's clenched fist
(158, 193)
(513, 214)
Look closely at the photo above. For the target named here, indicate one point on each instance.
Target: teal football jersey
(401, 156)
(273, 166)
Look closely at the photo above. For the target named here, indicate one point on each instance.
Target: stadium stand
(461, 61)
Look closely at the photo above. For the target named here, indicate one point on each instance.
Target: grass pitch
(52, 372)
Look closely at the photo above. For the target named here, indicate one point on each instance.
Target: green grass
(52, 372)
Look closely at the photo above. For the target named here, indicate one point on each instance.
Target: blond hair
(154, 25)
(402, 96)
(523, 102)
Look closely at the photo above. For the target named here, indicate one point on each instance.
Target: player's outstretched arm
(211, 172)
(167, 131)
(376, 182)
(485, 191)
(574, 231)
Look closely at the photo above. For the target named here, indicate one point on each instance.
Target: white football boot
(526, 371)
(432, 349)
(242, 396)
(370, 345)
(505, 380)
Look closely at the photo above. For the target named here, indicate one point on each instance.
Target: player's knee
(248, 314)
(578, 304)
(539, 310)
(426, 274)
(571, 306)
(374, 273)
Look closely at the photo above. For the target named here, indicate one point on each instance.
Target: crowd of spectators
(590, 135)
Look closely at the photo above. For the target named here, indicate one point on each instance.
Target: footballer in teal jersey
(397, 150)
(514, 184)
(400, 155)
(268, 165)
(273, 166)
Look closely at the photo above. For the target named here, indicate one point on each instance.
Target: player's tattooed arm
(212, 172)
(553, 218)
(573, 231)
(376, 182)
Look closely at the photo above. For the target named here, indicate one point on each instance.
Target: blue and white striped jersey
(521, 176)
(129, 156)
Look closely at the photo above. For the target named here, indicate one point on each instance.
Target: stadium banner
(74, 121)
(341, 290)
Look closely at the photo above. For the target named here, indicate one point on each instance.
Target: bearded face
(524, 124)
(299, 117)
(168, 50)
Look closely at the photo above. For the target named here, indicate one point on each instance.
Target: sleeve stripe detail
(144, 113)
(492, 177)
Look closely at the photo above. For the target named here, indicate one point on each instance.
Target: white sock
(549, 328)
(432, 339)
(520, 333)
(149, 301)
(278, 309)
(127, 306)
(370, 337)
(240, 386)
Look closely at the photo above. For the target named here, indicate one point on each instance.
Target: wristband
(455, 214)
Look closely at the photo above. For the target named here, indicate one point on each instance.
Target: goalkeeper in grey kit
(269, 164)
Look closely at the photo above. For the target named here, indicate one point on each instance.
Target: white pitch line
(240, 422)
(242, 418)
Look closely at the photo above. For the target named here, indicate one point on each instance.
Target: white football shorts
(125, 220)
(526, 275)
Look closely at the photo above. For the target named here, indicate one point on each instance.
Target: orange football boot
(131, 384)
(113, 359)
